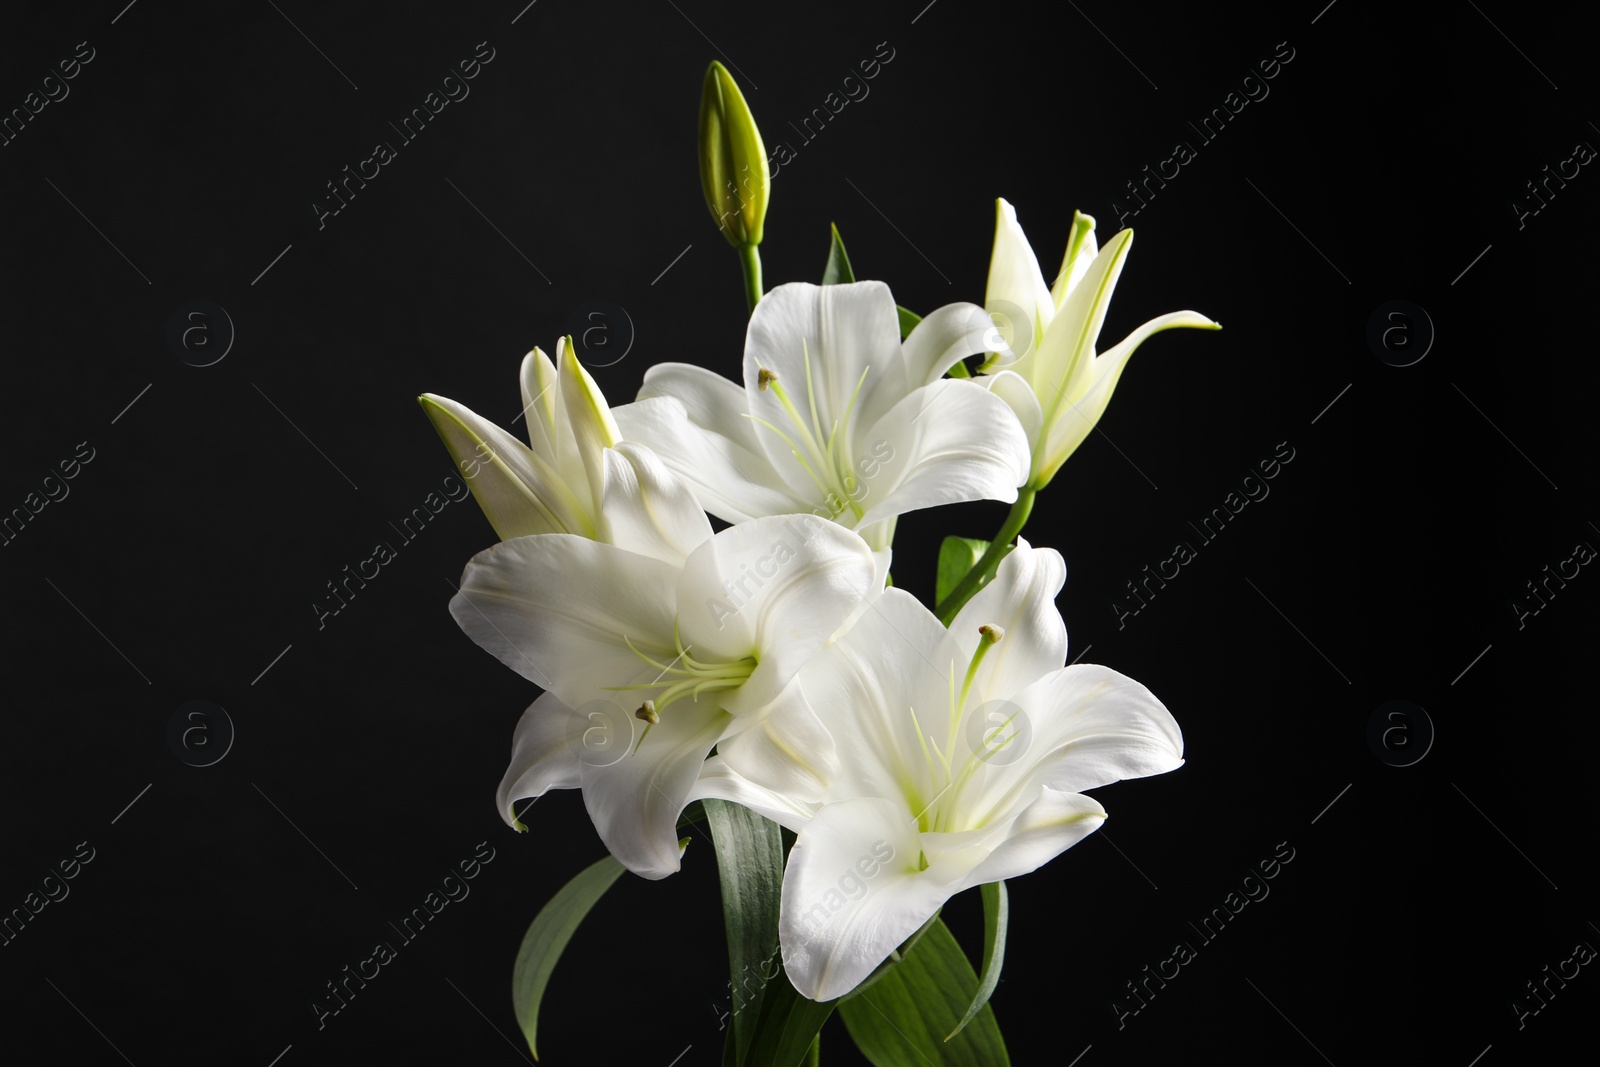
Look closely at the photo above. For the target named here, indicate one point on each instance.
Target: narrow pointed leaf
(838, 271)
(547, 937)
(996, 913)
(787, 1026)
(957, 556)
(908, 321)
(902, 1020)
(750, 866)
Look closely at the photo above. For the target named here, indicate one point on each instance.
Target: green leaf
(787, 1026)
(547, 937)
(959, 369)
(902, 1020)
(908, 320)
(957, 556)
(750, 865)
(838, 271)
(996, 913)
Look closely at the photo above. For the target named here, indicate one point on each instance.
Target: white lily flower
(1051, 376)
(836, 416)
(958, 757)
(649, 663)
(578, 476)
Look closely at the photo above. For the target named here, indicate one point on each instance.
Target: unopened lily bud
(733, 161)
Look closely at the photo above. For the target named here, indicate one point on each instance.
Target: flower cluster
(768, 664)
(772, 666)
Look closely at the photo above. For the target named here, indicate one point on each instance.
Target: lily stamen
(824, 459)
(990, 636)
(691, 677)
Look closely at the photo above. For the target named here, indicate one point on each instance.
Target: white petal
(1021, 600)
(711, 401)
(721, 782)
(1098, 726)
(1087, 726)
(635, 801)
(943, 338)
(1070, 342)
(775, 588)
(1087, 392)
(543, 412)
(883, 559)
(519, 492)
(648, 509)
(544, 755)
(842, 332)
(1016, 295)
(593, 428)
(560, 610)
(871, 689)
(1099, 375)
(1046, 828)
(852, 892)
(951, 441)
(730, 480)
(785, 748)
(1014, 389)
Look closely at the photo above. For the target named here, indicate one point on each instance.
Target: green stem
(750, 258)
(814, 1055)
(984, 569)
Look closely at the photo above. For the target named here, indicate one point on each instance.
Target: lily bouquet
(857, 757)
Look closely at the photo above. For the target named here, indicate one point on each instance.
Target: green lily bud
(733, 161)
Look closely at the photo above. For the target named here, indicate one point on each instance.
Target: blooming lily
(648, 664)
(958, 757)
(609, 591)
(1051, 376)
(837, 417)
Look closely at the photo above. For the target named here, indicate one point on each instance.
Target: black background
(1382, 566)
